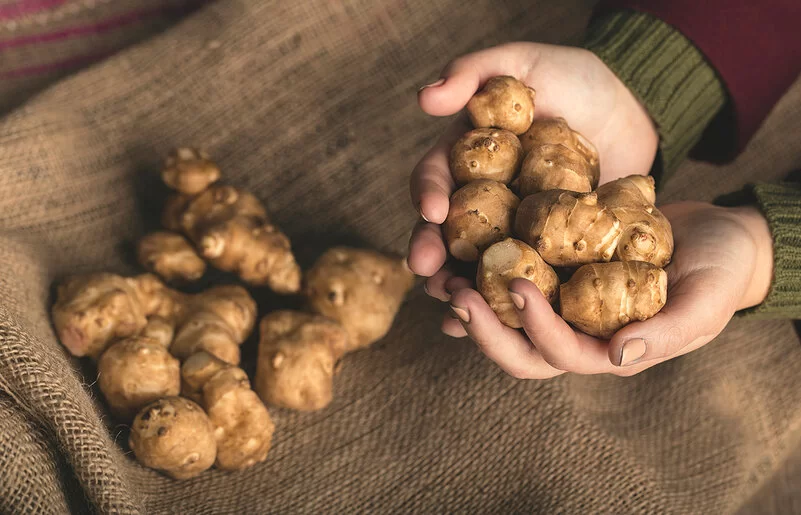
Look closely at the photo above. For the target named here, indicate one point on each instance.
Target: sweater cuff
(667, 73)
(781, 205)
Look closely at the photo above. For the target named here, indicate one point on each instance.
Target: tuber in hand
(175, 436)
(493, 154)
(360, 289)
(481, 213)
(298, 356)
(242, 426)
(503, 103)
(601, 298)
(507, 260)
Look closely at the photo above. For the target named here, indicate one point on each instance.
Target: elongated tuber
(481, 213)
(568, 228)
(504, 103)
(134, 372)
(242, 426)
(298, 356)
(493, 154)
(507, 260)
(361, 289)
(170, 256)
(601, 298)
(647, 234)
(175, 436)
(228, 227)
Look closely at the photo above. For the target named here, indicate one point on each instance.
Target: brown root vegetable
(647, 234)
(556, 131)
(189, 171)
(504, 103)
(493, 154)
(170, 256)
(568, 228)
(481, 213)
(601, 298)
(361, 289)
(174, 435)
(298, 356)
(507, 260)
(134, 372)
(160, 330)
(556, 167)
(242, 426)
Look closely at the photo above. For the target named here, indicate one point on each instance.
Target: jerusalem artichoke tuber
(170, 256)
(503, 103)
(493, 154)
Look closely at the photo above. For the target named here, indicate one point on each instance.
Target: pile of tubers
(529, 203)
(168, 362)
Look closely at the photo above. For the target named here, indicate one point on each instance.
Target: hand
(722, 263)
(570, 82)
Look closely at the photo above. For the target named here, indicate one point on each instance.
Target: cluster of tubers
(529, 201)
(168, 361)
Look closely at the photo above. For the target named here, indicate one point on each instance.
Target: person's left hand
(723, 262)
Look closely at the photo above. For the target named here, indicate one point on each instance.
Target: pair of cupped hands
(722, 260)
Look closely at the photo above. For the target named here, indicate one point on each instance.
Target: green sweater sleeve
(667, 73)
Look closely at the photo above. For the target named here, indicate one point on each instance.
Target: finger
(557, 342)
(431, 183)
(505, 346)
(435, 285)
(457, 283)
(696, 311)
(452, 327)
(426, 250)
(463, 76)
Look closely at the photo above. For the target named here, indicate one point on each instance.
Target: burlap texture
(312, 106)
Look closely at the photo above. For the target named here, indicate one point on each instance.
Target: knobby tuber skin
(503, 103)
(242, 426)
(228, 227)
(555, 166)
(189, 171)
(134, 372)
(93, 310)
(298, 356)
(505, 261)
(647, 234)
(493, 154)
(174, 435)
(481, 213)
(601, 298)
(361, 289)
(556, 131)
(170, 256)
(568, 228)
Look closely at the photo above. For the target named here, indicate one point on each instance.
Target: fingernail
(518, 300)
(631, 352)
(440, 82)
(462, 313)
(425, 288)
(424, 217)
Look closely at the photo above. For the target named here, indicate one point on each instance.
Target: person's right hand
(570, 82)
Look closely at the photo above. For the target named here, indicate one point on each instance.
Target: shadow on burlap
(312, 106)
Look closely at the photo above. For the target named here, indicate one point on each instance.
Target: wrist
(755, 223)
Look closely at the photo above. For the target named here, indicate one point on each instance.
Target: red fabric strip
(40, 69)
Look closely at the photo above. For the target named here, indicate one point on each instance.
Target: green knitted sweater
(683, 94)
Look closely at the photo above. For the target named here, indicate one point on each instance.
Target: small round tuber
(189, 171)
(493, 154)
(175, 436)
(601, 298)
(481, 213)
(298, 355)
(556, 131)
(160, 330)
(170, 256)
(506, 260)
(361, 289)
(555, 166)
(134, 372)
(568, 228)
(504, 103)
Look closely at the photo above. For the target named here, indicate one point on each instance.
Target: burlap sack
(312, 106)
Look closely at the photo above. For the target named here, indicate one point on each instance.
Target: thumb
(460, 79)
(694, 314)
